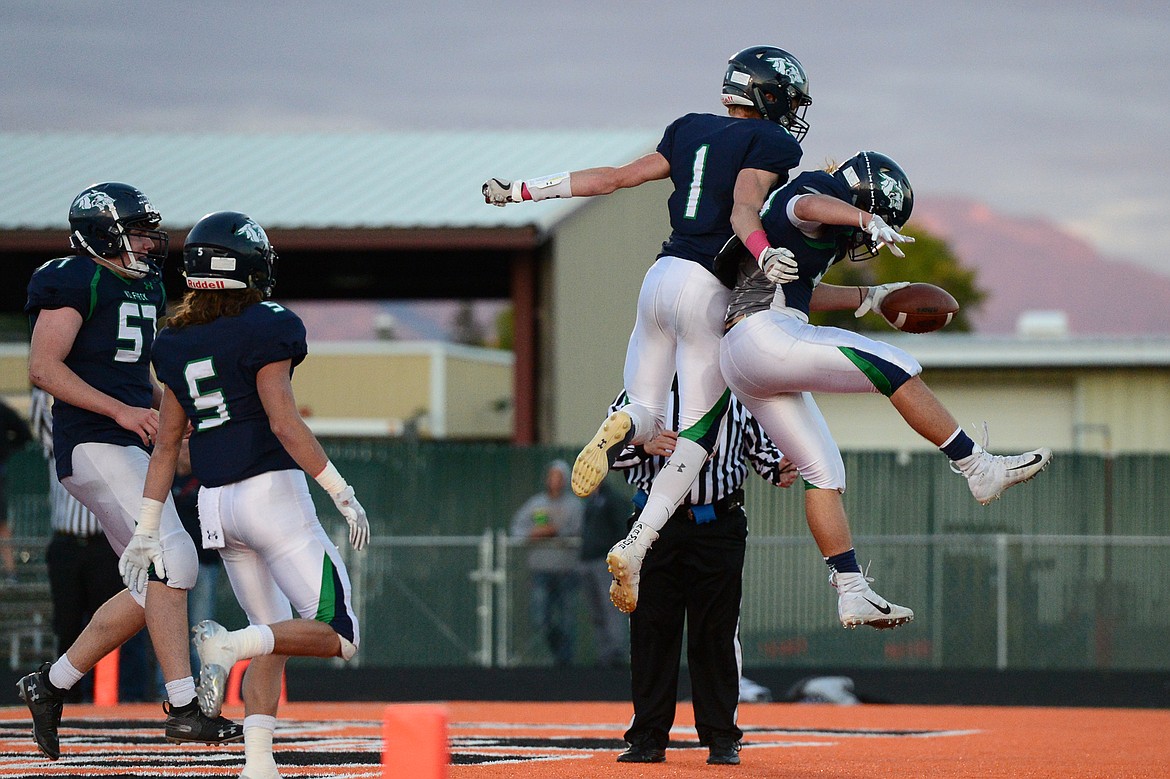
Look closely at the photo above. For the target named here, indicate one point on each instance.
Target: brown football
(919, 308)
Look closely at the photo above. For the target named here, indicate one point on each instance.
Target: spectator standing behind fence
(603, 526)
(551, 523)
(14, 434)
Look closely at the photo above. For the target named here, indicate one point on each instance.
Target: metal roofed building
(400, 215)
(388, 215)
(1108, 394)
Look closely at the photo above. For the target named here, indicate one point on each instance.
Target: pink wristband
(756, 243)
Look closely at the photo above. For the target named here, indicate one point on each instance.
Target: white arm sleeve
(811, 229)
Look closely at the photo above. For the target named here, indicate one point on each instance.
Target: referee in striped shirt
(83, 569)
(694, 573)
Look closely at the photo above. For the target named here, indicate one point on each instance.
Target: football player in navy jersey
(225, 360)
(93, 321)
(772, 358)
(722, 168)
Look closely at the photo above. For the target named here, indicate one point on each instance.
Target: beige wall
(367, 388)
(450, 390)
(601, 254)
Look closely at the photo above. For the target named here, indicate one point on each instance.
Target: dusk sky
(1051, 109)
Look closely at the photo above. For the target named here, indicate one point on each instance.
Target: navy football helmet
(227, 250)
(773, 82)
(877, 185)
(104, 217)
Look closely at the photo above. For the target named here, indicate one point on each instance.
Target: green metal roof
(304, 180)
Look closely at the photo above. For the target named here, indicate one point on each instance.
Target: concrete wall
(601, 252)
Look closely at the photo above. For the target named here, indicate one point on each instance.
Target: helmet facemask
(105, 217)
(773, 82)
(879, 186)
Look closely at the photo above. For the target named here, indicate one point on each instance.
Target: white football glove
(873, 299)
(778, 264)
(144, 550)
(500, 192)
(885, 235)
(355, 515)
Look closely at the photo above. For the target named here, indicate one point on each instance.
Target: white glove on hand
(885, 235)
(499, 192)
(143, 550)
(875, 296)
(778, 264)
(355, 515)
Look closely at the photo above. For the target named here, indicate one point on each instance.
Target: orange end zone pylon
(414, 741)
(236, 680)
(105, 680)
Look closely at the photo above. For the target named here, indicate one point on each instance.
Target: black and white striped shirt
(741, 440)
(67, 515)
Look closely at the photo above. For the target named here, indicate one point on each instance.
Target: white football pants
(108, 479)
(772, 361)
(680, 323)
(275, 551)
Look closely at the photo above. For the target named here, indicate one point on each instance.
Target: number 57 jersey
(211, 368)
(111, 351)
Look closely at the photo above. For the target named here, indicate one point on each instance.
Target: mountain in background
(1024, 265)
(1031, 264)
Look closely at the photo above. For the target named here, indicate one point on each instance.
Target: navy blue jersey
(813, 255)
(111, 352)
(706, 153)
(212, 370)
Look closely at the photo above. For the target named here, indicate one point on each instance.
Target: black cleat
(723, 751)
(642, 752)
(46, 705)
(186, 724)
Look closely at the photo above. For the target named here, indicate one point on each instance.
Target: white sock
(63, 675)
(252, 641)
(180, 692)
(673, 483)
(644, 427)
(258, 730)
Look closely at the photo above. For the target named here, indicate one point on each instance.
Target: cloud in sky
(1060, 109)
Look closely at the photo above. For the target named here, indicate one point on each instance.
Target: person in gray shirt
(551, 523)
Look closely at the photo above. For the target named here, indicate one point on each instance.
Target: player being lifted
(722, 168)
(93, 320)
(226, 360)
(772, 358)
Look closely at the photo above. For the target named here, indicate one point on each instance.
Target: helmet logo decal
(787, 68)
(891, 190)
(95, 200)
(253, 232)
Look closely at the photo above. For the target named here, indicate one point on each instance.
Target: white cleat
(216, 659)
(263, 772)
(857, 604)
(625, 563)
(988, 475)
(598, 455)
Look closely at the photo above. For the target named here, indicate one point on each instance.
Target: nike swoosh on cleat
(885, 610)
(1036, 458)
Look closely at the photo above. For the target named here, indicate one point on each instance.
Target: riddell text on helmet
(206, 284)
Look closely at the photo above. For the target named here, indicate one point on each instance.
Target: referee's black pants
(83, 574)
(693, 573)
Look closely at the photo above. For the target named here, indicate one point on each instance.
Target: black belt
(703, 513)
